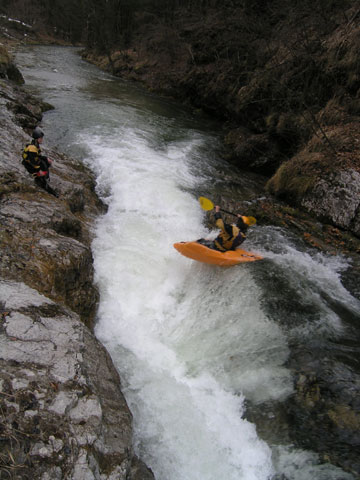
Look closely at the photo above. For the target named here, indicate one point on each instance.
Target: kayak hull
(203, 254)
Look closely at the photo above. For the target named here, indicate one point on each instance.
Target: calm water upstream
(192, 342)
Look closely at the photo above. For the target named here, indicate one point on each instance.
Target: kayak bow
(201, 253)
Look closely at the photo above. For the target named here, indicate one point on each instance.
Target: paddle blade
(205, 203)
(250, 220)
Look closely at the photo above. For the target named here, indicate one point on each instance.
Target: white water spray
(177, 330)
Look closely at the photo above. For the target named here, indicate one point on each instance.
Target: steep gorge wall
(62, 412)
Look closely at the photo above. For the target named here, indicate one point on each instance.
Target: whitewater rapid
(169, 323)
(193, 343)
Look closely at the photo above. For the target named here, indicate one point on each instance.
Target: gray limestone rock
(60, 395)
(336, 198)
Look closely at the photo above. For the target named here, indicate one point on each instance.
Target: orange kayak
(199, 252)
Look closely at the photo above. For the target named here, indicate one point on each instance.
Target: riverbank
(62, 410)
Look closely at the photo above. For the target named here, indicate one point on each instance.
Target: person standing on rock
(36, 163)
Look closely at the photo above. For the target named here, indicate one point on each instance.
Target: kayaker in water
(37, 164)
(231, 235)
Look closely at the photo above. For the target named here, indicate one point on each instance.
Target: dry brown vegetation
(285, 78)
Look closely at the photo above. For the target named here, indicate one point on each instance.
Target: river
(193, 343)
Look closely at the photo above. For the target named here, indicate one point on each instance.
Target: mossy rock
(295, 177)
(4, 56)
(8, 69)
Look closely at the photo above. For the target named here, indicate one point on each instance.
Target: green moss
(344, 417)
(4, 56)
(297, 176)
(271, 121)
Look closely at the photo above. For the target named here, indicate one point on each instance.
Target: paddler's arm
(218, 220)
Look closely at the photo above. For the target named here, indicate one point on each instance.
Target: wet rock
(76, 201)
(49, 253)
(324, 411)
(350, 278)
(45, 241)
(8, 69)
(336, 198)
(252, 152)
(59, 392)
(139, 471)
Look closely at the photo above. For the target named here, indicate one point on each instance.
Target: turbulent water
(193, 343)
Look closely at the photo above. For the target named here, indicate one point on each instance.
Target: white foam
(316, 278)
(163, 324)
(303, 465)
(191, 341)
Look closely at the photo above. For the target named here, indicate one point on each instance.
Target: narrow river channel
(193, 343)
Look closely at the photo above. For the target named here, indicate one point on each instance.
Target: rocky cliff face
(337, 199)
(8, 69)
(45, 240)
(323, 182)
(62, 411)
